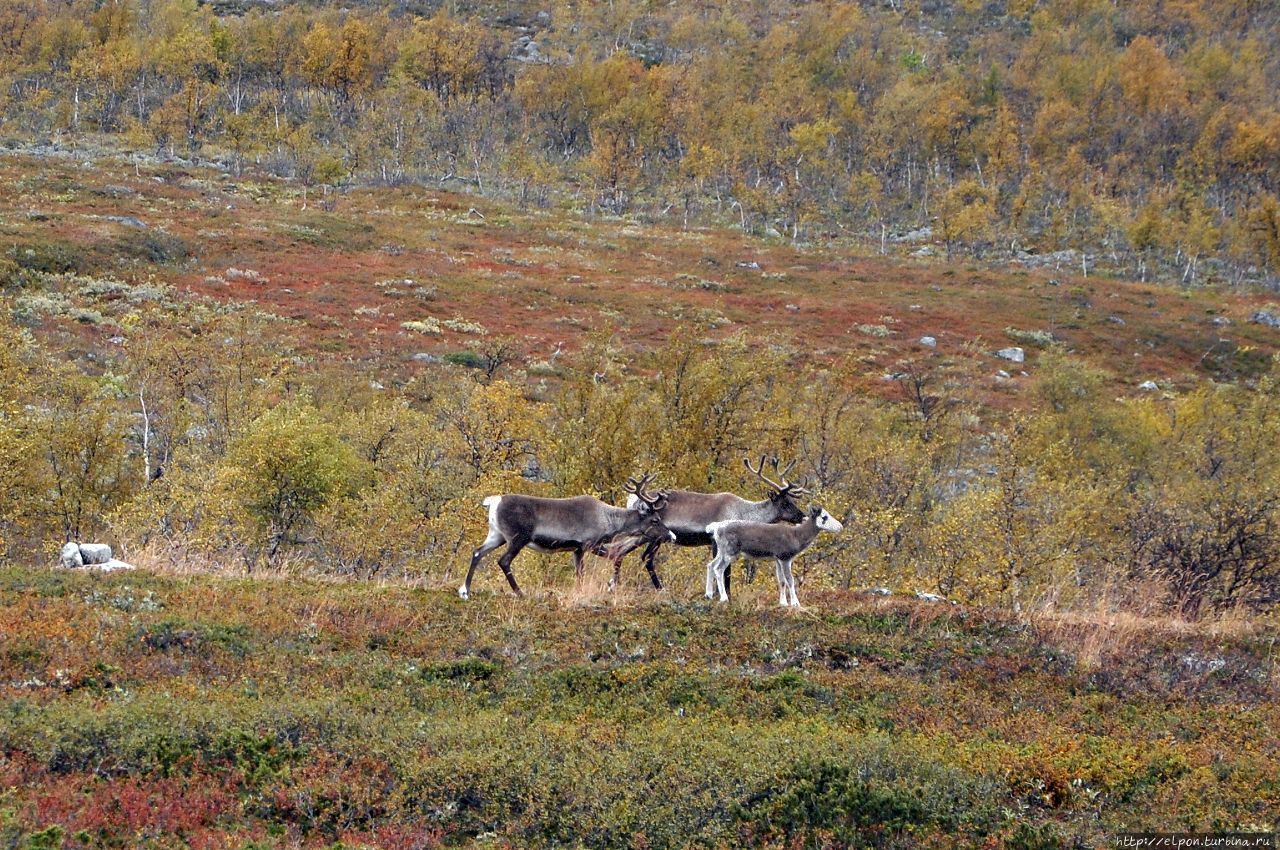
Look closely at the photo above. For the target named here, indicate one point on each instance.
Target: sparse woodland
(287, 289)
(1143, 135)
(211, 445)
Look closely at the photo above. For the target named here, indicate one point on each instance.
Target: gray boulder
(923, 234)
(932, 597)
(71, 557)
(1013, 354)
(112, 565)
(1266, 317)
(929, 342)
(95, 553)
(1149, 386)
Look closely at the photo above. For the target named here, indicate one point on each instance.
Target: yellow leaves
(966, 212)
(1263, 227)
(494, 432)
(1149, 81)
(444, 54)
(1147, 230)
(183, 47)
(812, 138)
(1255, 145)
(288, 465)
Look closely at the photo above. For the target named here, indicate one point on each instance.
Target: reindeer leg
(493, 541)
(711, 578)
(508, 556)
(650, 558)
(791, 583)
(722, 567)
(728, 568)
(577, 564)
(615, 554)
(650, 563)
(782, 583)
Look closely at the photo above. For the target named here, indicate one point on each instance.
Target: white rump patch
(492, 502)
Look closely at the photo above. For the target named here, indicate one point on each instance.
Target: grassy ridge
(167, 711)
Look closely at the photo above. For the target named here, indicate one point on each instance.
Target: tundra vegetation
(286, 292)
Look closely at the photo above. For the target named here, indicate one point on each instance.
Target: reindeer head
(782, 495)
(646, 516)
(824, 520)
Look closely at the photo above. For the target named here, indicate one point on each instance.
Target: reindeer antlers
(786, 487)
(637, 488)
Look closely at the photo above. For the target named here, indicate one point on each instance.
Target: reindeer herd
(734, 527)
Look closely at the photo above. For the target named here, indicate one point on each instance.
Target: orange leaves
(1150, 83)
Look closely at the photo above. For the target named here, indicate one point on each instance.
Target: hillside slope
(461, 273)
(162, 711)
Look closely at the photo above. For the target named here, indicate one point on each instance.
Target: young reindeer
(579, 524)
(781, 542)
(688, 513)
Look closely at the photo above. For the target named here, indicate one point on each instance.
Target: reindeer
(781, 542)
(579, 524)
(688, 514)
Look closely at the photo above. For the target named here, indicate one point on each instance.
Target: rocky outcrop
(97, 556)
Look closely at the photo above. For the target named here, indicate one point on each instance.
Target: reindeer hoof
(462, 592)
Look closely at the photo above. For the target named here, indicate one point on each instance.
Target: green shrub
(148, 246)
(49, 838)
(470, 359)
(864, 803)
(469, 670)
(1032, 837)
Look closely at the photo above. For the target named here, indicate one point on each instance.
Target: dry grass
(1104, 632)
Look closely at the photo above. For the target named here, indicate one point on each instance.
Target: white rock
(112, 565)
(878, 591)
(931, 597)
(1003, 375)
(95, 553)
(929, 342)
(70, 557)
(1148, 386)
(1014, 354)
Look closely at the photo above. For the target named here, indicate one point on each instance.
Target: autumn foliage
(1144, 136)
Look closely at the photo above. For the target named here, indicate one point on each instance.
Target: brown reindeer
(578, 525)
(688, 513)
(780, 541)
